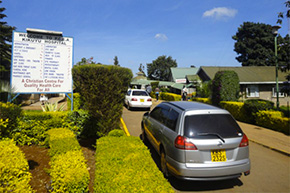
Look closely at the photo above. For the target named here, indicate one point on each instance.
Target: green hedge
(252, 106)
(124, 164)
(33, 126)
(169, 96)
(202, 100)
(102, 88)
(225, 87)
(14, 169)
(237, 109)
(273, 120)
(68, 166)
(62, 140)
(270, 119)
(10, 113)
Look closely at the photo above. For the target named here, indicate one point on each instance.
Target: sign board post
(41, 63)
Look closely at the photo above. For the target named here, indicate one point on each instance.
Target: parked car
(138, 98)
(197, 141)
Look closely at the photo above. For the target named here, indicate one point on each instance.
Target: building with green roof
(255, 81)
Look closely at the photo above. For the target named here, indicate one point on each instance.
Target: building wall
(266, 93)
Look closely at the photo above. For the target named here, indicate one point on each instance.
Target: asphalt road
(270, 171)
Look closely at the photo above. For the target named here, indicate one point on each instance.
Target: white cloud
(220, 13)
(161, 37)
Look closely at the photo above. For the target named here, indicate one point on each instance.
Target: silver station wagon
(197, 141)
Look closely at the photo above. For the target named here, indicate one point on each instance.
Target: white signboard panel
(180, 81)
(41, 63)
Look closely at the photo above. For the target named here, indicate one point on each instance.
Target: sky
(192, 32)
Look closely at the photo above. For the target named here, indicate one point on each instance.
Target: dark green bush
(285, 110)
(225, 87)
(11, 113)
(33, 126)
(81, 123)
(102, 88)
(252, 106)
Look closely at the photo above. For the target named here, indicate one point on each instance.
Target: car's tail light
(134, 99)
(149, 99)
(244, 142)
(183, 143)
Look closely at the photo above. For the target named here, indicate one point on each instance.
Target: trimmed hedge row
(68, 171)
(269, 119)
(169, 96)
(14, 169)
(203, 100)
(131, 168)
(33, 126)
(273, 120)
(237, 109)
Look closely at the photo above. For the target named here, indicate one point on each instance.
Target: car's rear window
(204, 126)
(139, 93)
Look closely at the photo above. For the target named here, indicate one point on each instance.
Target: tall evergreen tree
(5, 39)
(116, 61)
(255, 44)
(159, 69)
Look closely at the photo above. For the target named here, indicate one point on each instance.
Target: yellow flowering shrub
(68, 166)
(273, 120)
(236, 109)
(61, 140)
(14, 169)
(69, 173)
(124, 164)
(169, 96)
(12, 113)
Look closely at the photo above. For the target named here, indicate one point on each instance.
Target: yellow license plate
(141, 100)
(218, 156)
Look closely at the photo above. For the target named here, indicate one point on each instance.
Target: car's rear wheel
(163, 163)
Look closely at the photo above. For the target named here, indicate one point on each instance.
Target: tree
(284, 50)
(5, 38)
(254, 44)
(281, 14)
(86, 61)
(159, 69)
(141, 69)
(116, 62)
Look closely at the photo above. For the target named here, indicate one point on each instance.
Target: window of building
(274, 94)
(252, 91)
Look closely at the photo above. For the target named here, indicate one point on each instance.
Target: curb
(272, 148)
(124, 127)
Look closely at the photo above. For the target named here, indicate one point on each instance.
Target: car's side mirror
(146, 114)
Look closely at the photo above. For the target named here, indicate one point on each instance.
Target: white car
(138, 98)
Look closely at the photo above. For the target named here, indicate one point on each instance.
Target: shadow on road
(186, 185)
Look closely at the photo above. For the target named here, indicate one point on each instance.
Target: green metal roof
(181, 73)
(249, 74)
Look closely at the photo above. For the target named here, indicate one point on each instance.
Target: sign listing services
(41, 63)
